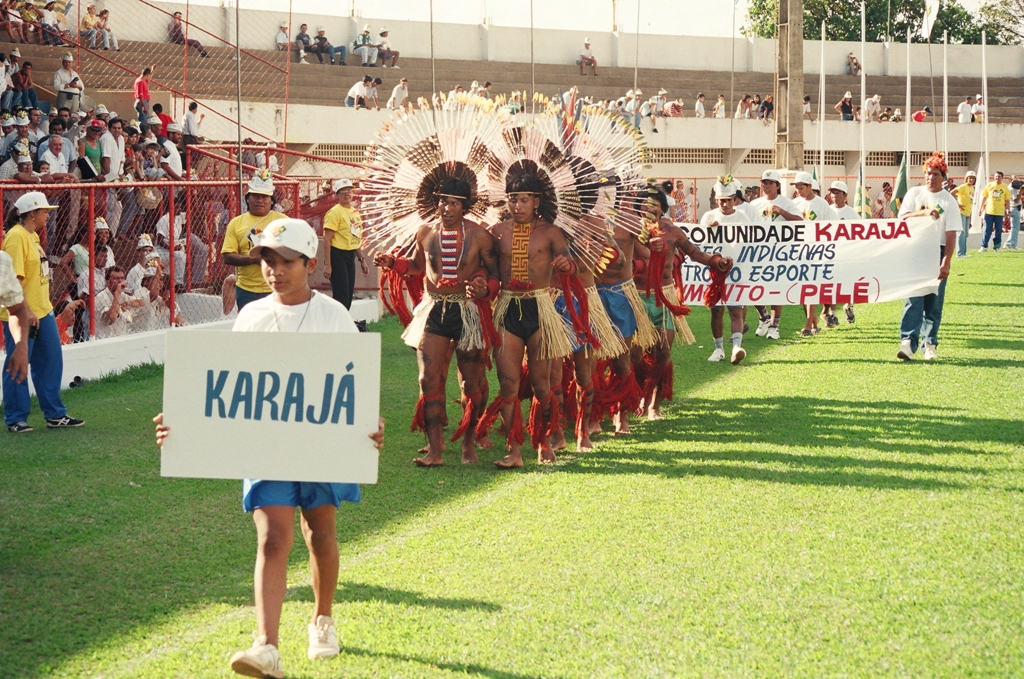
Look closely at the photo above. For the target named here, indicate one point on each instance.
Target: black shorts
(522, 318)
(445, 320)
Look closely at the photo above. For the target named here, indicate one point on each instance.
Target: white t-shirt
(398, 95)
(357, 90)
(320, 314)
(978, 110)
(57, 163)
(846, 212)
(282, 39)
(123, 322)
(963, 112)
(815, 210)
(100, 281)
(698, 109)
(586, 52)
(737, 217)
(109, 148)
(174, 159)
(191, 126)
(163, 224)
(763, 207)
(920, 198)
(871, 106)
(807, 107)
(11, 292)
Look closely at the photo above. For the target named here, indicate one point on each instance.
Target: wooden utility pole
(789, 59)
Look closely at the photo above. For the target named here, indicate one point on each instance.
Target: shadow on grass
(461, 668)
(353, 592)
(883, 428)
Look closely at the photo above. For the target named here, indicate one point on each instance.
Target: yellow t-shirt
(347, 226)
(995, 196)
(239, 238)
(965, 196)
(31, 266)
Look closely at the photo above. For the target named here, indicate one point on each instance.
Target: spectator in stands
(242, 234)
(165, 120)
(113, 306)
(674, 109)
(67, 84)
(53, 34)
(53, 153)
(343, 234)
(743, 107)
(177, 36)
(90, 154)
(632, 108)
(886, 115)
(852, 65)
(141, 90)
(16, 25)
(11, 170)
(30, 17)
(767, 111)
(302, 42)
(322, 46)
(112, 153)
(21, 242)
(101, 113)
(399, 94)
(24, 88)
(977, 111)
(384, 50)
(963, 111)
(110, 41)
(872, 108)
(845, 106)
(98, 272)
(356, 96)
(170, 161)
(14, 60)
(190, 130)
(807, 108)
(922, 115)
(145, 258)
(150, 163)
(164, 241)
(76, 259)
(587, 58)
(897, 117)
(364, 47)
(35, 127)
(91, 28)
(720, 107)
(371, 93)
(698, 106)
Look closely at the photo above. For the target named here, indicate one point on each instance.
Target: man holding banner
(287, 252)
(814, 208)
(726, 213)
(772, 206)
(922, 315)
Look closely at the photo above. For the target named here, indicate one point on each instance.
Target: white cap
(101, 223)
(101, 109)
(847, 95)
(340, 184)
(840, 186)
(662, 91)
(802, 178)
(586, 41)
(154, 120)
(366, 28)
(262, 183)
(877, 97)
(637, 93)
(726, 186)
(814, 185)
(24, 157)
(970, 173)
(321, 29)
(174, 127)
(17, 53)
(383, 29)
(284, 23)
(145, 241)
(12, 54)
(68, 56)
(771, 175)
(33, 200)
(289, 237)
(21, 119)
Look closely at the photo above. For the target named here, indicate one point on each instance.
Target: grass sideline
(821, 510)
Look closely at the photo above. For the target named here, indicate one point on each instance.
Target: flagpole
(821, 107)
(984, 98)
(732, 86)
(945, 94)
(906, 112)
(863, 85)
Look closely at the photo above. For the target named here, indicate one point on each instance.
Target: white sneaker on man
(323, 638)
(717, 355)
(262, 660)
(762, 327)
(982, 249)
(738, 354)
(930, 352)
(773, 332)
(905, 353)
(303, 61)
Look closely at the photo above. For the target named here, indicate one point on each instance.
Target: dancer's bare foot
(484, 442)
(654, 414)
(468, 451)
(622, 424)
(429, 460)
(558, 441)
(584, 444)
(595, 427)
(426, 449)
(514, 460)
(545, 455)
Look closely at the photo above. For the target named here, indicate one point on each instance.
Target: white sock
(737, 340)
(720, 343)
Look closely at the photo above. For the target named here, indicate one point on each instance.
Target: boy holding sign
(287, 253)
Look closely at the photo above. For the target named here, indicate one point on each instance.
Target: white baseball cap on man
(341, 185)
(814, 184)
(771, 176)
(145, 241)
(291, 238)
(262, 183)
(970, 173)
(802, 178)
(31, 201)
(173, 127)
(839, 186)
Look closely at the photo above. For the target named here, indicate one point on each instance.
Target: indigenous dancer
(458, 259)
(726, 213)
(530, 250)
(772, 206)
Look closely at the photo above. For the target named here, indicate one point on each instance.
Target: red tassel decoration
(584, 404)
(468, 406)
(540, 427)
(572, 289)
(716, 291)
(651, 382)
(419, 418)
(514, 430)
(667, 380)
(414, 284)
(393, 295)
(491, 337)
(525, 388)
(623, 393)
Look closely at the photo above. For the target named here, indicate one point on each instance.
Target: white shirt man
(113, 147)
(122, 324)
(763, 205)
(357, 91)
(58, 161)
(63, 79)
(173, 158)
(191, 126)
(872, 107)
(813, 208)
(283, 43)
(162, 228)
(399, 94)
(978, 110)
(963, 111)
(698, 107)
(839, 192)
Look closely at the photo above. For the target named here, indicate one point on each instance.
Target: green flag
(900, 189)
(861, 202)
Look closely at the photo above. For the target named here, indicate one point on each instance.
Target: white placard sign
(265, 405)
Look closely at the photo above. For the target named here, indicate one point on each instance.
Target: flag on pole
(900, 189)
(861, 202)
(977, 214)
(931, 13)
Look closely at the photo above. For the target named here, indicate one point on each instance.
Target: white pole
(945, 95)
(863, 85)
(906, 111)
(821, 110)
(636, 53)
(984, 98)
(732, 83)
(533, 67)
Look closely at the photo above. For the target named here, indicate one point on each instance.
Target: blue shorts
(243, 297)
(563, 311)
(620, 311)
(257, 493)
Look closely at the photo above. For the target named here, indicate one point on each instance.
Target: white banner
(266, 405)
(819, 262)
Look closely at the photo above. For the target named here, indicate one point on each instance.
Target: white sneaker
(394, 67)
(773, 332)
(323, 638)
(762, 327)
(930, 352)
(718, 355)
(303, 61)
(262, 660)
(738, 354)
(905, 353)
(384, 65)
(982, 249)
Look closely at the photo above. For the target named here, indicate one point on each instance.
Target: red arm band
(401, 265)
(639, 266)
(493, 287)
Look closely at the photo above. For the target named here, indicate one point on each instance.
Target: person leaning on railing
(68, 85)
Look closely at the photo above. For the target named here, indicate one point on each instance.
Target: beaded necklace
(451, 241)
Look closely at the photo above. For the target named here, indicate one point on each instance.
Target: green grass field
(821, 510)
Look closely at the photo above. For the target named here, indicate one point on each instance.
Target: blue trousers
(46, 363)
(993, 229)
(961, 241)
(922, 317)
(1014, 228)
(243, 297)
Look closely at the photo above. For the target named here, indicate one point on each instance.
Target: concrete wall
(135, 21)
